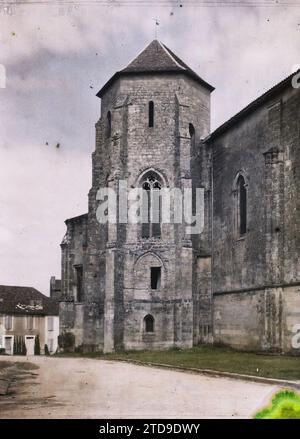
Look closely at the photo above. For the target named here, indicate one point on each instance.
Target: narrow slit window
(155, 277)
(79, 286)
(151, 114)
(108, 124)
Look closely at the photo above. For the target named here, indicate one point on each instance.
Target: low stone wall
(260, 320)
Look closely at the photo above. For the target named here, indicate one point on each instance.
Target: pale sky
(57, 57)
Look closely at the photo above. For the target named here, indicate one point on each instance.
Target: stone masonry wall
(114, 286)
(256, 277)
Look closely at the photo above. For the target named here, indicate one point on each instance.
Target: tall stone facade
(256, 274)
(131, 286)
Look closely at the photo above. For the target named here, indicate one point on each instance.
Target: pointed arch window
(241, 190)
(149, 323)
(151, 114)
(151, 214)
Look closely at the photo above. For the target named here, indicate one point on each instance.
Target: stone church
(154, 286)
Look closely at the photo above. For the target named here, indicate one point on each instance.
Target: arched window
(242, 205)
(151, 214)
(192, 133)
(149, 323)
(108, 124)
(151, 114)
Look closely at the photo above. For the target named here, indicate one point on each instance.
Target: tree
(16, 345)
(23, 348)
(37, 347)
(66, 341)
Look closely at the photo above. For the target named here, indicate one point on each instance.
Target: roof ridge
(136, 56)
(18, 286)
(170, 54)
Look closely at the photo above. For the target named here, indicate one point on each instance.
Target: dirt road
(86, 388)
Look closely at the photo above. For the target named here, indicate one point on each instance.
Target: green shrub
(284, 405)
(46, 350)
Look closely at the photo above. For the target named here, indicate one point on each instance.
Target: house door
(29, 342)
(8, 345)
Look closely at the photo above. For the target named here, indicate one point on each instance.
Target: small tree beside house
(46, 349)
(37, 347)
(23, 347)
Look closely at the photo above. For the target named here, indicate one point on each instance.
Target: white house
(27, 319)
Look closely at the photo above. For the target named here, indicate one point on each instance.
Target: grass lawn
(215, 358)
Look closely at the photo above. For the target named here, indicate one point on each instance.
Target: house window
(50, 323)
(29, 322)
(151, 114)
(242, 205)
(8, 323)
(108, 124)
(79, 286)
(151, 214)
(149, 323)
(155, 273)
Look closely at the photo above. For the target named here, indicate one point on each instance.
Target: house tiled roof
(156, 58)
(25, 300)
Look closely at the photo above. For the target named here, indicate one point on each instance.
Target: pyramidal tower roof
(156, 58)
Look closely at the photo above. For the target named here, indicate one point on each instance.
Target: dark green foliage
(15, 350)
(23, 347)
(46, 350)
(37, 347)
(19, 346)
(66, 341)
